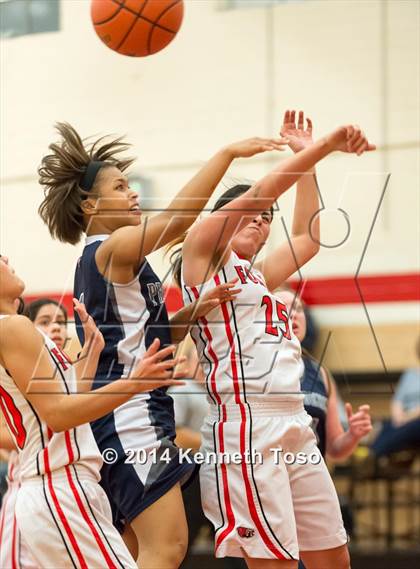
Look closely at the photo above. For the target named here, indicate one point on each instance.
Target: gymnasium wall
(230, 74)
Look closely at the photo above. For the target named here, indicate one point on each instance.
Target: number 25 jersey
(246, 346)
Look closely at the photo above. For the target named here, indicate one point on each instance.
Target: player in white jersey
(61, 511)
(264, 508)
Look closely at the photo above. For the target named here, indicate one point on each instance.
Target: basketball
(137, 27)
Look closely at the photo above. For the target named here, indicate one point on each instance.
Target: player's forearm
(306, 206)
(180, 323)
(279, 180)
(194, 196)
(70, 411)
(342, 446)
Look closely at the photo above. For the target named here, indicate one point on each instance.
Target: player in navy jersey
(267, 513)
(48, 419)
(86, 191)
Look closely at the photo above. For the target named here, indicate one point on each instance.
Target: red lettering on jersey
(282, 316)
(61, 357)
(241, 274)
(245, 274)
(13, 417)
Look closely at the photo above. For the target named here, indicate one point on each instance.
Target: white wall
(229, 74)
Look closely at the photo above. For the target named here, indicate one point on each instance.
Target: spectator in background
(402, 432)
(51, 317)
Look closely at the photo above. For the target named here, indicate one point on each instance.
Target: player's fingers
(349, 410)
(370, 147)
(301, 122)
(162, 354)
(308, 125)
(359, 145)
(152, 349)
(365, 408)
(233, 291)
(293, 117)
(167, 364)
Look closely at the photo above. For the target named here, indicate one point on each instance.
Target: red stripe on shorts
(228, 504)
(250, 499)
(14, 561)
(60, 512)
(110, 563)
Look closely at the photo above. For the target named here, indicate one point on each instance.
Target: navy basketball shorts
(141, 460)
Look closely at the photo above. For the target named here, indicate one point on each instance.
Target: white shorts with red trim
(14, 553)
(276, 502)
(65, 518)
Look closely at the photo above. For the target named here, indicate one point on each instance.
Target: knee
(169, 555)
(177, 550)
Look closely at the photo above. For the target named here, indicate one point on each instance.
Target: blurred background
(232, 71)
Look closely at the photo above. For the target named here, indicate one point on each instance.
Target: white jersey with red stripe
(246, 346)
(40, 449)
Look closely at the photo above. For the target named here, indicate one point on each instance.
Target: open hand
(298, 136)
(154, 370)
(251, 146)
(222, 293)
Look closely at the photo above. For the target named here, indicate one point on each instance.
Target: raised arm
(209, 239)
(23, 354)
(288, 257)
(129, 245)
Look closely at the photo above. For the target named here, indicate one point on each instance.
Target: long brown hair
(60, 174)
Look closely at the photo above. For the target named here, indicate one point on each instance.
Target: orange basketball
(137, 27)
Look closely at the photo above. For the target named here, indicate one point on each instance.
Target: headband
(88, 178)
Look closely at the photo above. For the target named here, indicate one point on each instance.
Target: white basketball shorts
(14, 552)
(279, 499)
(65, 518)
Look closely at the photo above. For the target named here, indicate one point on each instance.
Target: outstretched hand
(157, 368)
(221, 293)
(251, 146)
(298, 136)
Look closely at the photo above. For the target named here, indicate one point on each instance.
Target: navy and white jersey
(316, 399)
(130, 316)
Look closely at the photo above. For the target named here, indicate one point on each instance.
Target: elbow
(313, 246)
(56, 422)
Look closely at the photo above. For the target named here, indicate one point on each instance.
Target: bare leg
(256, 563)
(130, 540)
(162, 532)
(336, 558)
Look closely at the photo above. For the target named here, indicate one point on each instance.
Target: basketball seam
(121, 6)
(138, 15)
(155, 24)
(127, 9)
